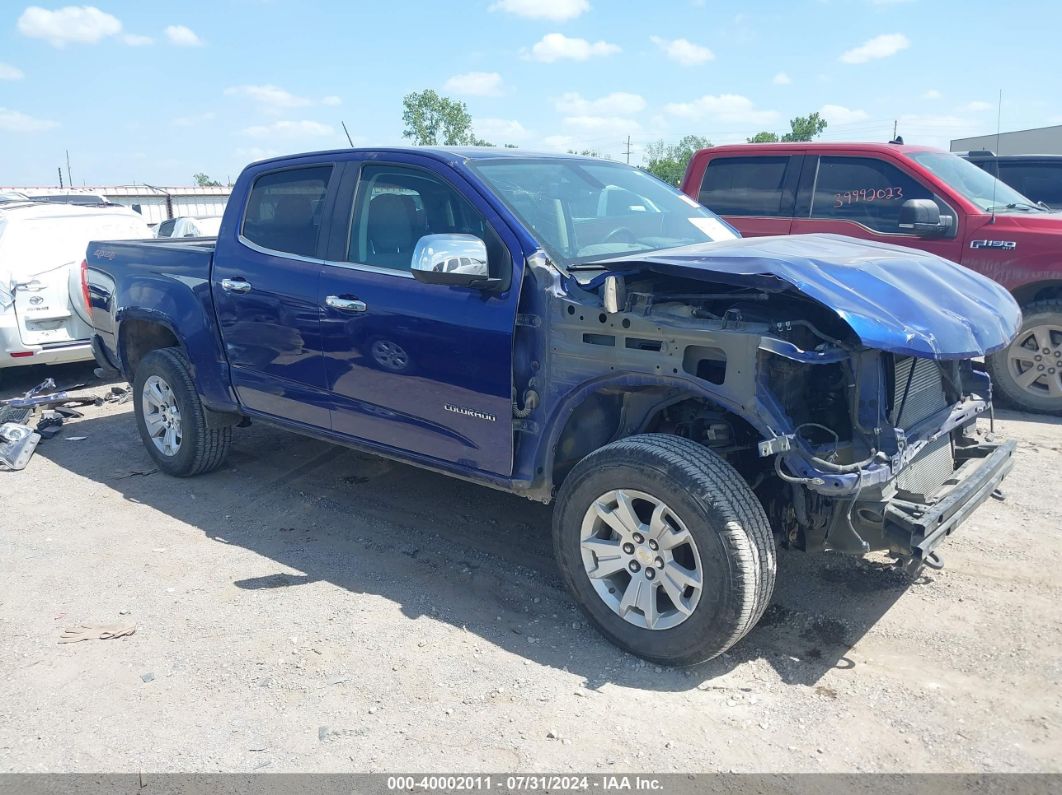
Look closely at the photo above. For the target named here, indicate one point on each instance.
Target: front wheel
(1028, 373)
(665, 548)
(171, 418)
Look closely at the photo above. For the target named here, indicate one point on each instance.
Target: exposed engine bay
(849, 448)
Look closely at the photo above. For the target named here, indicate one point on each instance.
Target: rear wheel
(665, 548)
(171, 418)
(1028, 373)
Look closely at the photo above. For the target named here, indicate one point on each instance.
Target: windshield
(587, 210)
(974, 183)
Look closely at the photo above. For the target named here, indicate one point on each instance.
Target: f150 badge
(1006, 245)
(479, 415)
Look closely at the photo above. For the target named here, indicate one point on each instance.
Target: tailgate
(44, 307)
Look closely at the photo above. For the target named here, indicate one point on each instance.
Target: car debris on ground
(19, 440)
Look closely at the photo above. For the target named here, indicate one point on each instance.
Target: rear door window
(745, 186)
(284, 210)
(1041, 182)
(866, 191)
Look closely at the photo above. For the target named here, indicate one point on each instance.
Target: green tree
(433, 120)
(802, 128)
(668, 161)
(805, 128)
(203, 181)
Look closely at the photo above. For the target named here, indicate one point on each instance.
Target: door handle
(236, 285)
(345, 304)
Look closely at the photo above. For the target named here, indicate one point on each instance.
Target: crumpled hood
(895, 299)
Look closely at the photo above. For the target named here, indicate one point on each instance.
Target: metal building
(154, 203)
(1038, 141)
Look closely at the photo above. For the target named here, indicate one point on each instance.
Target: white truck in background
(42, 248)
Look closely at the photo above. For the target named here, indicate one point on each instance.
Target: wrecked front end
(855, 441)
(878, 451)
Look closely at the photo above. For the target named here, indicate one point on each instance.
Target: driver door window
(396, 206)
(865, 191)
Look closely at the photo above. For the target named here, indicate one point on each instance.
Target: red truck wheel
(1028, 373)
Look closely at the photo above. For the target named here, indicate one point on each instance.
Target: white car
(43, 317)
(190, 226)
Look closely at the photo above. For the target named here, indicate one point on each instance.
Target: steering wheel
(615, 234)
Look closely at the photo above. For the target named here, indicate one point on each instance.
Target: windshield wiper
(1016, 206)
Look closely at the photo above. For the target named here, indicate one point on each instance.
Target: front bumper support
(922, 527)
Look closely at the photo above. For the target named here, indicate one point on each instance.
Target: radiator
(925, 396)
(927, 473)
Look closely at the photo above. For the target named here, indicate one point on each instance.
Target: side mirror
(454, 260)
(922, 217)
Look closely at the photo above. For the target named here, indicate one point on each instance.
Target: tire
(199, 449)
(732, 547)
(1041, 329)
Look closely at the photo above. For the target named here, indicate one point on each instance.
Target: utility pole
(628, 150)
(69, 179)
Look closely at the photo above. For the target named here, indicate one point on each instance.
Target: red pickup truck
(911, 196)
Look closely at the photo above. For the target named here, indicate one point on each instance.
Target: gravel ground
(309, 608)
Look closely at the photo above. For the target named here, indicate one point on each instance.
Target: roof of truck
(446, 153)
(831, 146)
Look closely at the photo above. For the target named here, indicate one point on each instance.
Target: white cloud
(475, 84)
(70, 24)
(556, 10)
(617, 102)
(501, 131)
(878, 47)
(683, 51)
(9, 72)
(557, 47)
(14, 121)
(732, 108)
(781, 79)
(183, 36)
(136, 40)
(290, 129)
(977, 106)
(332, 101)
(932, 94)
(273, 98)
(602, 125)
(839, 115)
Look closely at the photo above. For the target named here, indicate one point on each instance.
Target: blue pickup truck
(574, 330)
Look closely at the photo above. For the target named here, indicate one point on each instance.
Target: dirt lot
(309, 608)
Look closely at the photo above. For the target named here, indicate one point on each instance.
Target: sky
(156, 92)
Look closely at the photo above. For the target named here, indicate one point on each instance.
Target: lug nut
(649, 574)
(653, 545)
(628, 548)
(638, 538)
(633, 566)
(659, 563)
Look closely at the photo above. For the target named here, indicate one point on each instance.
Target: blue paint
(279, 353)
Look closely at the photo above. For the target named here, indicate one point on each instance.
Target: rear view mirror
(456, 260)
(922, 217)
